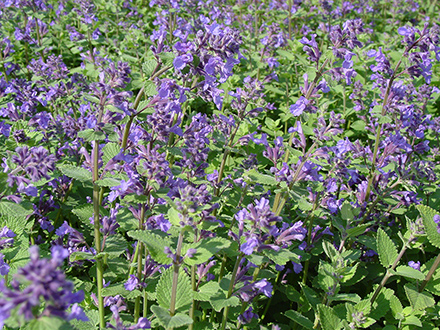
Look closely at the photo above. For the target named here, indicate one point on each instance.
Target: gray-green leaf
(184, 296)
(427, 214)
(386, 249)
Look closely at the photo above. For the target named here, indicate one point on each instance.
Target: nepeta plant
(219, 165)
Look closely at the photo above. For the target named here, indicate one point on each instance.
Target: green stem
(194, 288)
(430, 273)
(137, 305)
(96, 224)
(176, 267)
(231, 289)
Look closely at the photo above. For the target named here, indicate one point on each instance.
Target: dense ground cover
(214, 164)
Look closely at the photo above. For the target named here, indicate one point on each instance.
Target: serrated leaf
(206, 291)
(91, 135)
(15, 216)
(79, 255)
(155, 244)
(150, 88)
(418, 300)
(407, 271)
(148, 67)
(299, 318)
(328, 318)
(184, 294)
(109, 151)
(262, 179)
(205, 250)
(173, 217)
(219, 301)
(385, 248)
(168, 321)
(108, 182)
(115, 245)
(427, 214)
(382, 303)
(91, 324)
(282, 256)
(395, 305)
(358, 230)
(75, 172)
(330, 250)
(304, 204)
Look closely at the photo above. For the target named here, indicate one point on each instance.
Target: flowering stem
(96, 223)
(280, 198)
(231, 289)
(194, 288)
(176, 266)
(430, 273)
(379, 131)
(309, 239)
(137, 305)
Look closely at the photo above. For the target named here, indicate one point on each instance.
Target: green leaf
(311, 296)
(173, 217)
(108, 182)
(358, 230)
(75, 172)
(109, 151)
(46, 322)
(155, 244)
(347, 211)
(148, 67)
(386, 249)
(219, 301)
(91, 324)
(328, 318)
(79, 255)
(418, 300)
(407, 271)
(15, 216)
(330, 250)
(413, 320)
(299, 318)
(382, 303)
(427, 214)
(91, 135)
(115, 245)
(262, 179)
(396, 306)
(205, 250)
(119, 289)
(168, 321)
(282, 256)
(150, 88)
(184, 294)
(206, 291)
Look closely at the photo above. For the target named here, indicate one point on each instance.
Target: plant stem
(230, 290)
(194, 288)
(430, 273)
(176, 267)
(96, 224)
